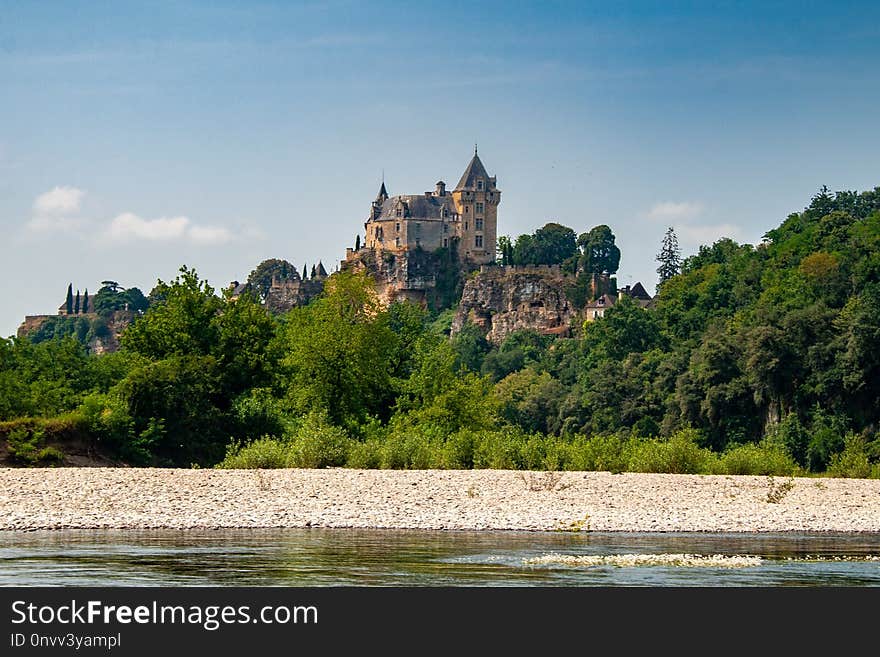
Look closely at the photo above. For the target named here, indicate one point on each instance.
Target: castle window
(397, 241)
(445, 242)
(479, 209)
(445, 228)
(418, 229)
(479, 185)
(465, 225)
(397, 226)
(478, 224)
(478, 241)
(399, 211)
(467, 209)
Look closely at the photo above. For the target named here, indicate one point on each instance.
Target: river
(355, 557)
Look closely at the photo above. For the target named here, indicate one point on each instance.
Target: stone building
(468, 214)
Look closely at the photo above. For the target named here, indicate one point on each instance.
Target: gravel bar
(148, 498)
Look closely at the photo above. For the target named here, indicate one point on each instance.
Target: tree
(669, 257)
(338, 352)
(599, 254)
(502, 254)
(69, 302)
(181, 321)
(552, 244)
(357, 242)
(260, 279)
(76, 304)
(85, 303)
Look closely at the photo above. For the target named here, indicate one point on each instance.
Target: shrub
(265, 452)
(23, 442)
(766, 458)
(853, 461)
(366, 455)
(499, 450)
(678, 455)
(611, 453)
(317, 443)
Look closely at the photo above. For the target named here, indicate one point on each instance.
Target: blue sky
(138, 137)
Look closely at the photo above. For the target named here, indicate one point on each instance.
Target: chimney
(440, 190)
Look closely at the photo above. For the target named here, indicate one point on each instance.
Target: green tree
(69, 302)
(76, 304)
(85, 303)
(181, 321)
(260, 279)
(338, 351)
(669, 257)
(552, 244)
(599, 253)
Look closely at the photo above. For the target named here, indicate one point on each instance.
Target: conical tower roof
(475, 169)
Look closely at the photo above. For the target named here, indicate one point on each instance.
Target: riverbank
(130, 498)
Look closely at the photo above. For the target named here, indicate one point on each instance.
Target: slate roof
(638, 291)
(475, 169)
(417, 207)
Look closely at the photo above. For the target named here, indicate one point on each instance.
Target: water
(332, 557)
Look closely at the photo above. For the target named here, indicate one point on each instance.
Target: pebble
(140, 498)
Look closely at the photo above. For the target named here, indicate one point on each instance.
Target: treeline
(762, 360)
(87, 317)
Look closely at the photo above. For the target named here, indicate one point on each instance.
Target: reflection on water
(333, 557)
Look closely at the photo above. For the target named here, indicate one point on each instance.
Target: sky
(139, 137)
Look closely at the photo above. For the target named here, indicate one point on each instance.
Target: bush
(317, 443)
(766, 458)
(23, 442)
(611, 453)
(853, 462)
(366, 455)
(678, 455)
(264, 453)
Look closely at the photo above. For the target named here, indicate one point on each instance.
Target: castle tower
(476, 199)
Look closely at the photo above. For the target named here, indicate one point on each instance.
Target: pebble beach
(134, 498)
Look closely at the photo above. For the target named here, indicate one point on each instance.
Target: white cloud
(50, 224)
(59, 200)
(707, 234)
(671, 211)
(128, 226)
(210, 234)
(52, 211)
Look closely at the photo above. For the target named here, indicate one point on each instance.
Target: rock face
(415, 275)
(501, 300)
(103, 333)
(285, 295)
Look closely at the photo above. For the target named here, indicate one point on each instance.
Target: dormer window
(399, 211)
(479, 185)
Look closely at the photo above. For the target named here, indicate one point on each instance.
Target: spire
(383, 193)
(474, 170)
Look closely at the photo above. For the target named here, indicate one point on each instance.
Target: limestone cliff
(429, 277)
(501, 300)
(99, 333)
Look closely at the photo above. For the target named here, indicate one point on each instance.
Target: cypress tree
(69, 302)
(669, 257)
(85, 307)
(357, 243)
(305, 272)
(314, 271)
(76, 304)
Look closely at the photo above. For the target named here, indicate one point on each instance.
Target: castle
(468, 214)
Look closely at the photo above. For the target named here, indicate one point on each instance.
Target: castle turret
(477, 198)
(376, 208)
